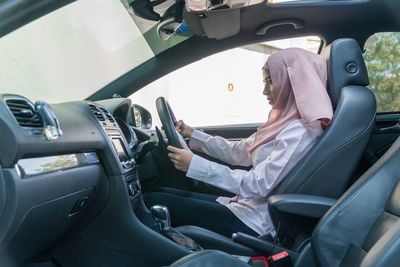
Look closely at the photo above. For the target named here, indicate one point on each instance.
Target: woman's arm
(231, 152)
(289, 146)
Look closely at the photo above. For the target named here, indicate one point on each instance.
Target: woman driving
(295, 86)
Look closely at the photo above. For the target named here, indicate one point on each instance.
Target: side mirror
(139, 117)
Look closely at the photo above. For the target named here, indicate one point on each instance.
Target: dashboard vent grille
(24, 113)
(108, 115)
(97, 113)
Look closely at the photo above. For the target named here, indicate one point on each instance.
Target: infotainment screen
(119, 148)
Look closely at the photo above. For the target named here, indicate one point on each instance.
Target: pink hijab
(299, 82)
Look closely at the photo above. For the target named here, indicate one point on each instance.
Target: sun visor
(221, 24)
(215, 19)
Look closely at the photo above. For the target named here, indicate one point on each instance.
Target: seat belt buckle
(258, 261)
(282, 259)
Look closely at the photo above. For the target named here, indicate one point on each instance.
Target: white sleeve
(231, 152)
(264, 176)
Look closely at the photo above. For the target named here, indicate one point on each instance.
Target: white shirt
(270, 161)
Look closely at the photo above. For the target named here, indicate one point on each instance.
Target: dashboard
(58, 167)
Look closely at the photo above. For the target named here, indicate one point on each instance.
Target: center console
(121, 149)
(127, 162)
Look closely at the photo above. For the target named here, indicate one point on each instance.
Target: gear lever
(161, 216)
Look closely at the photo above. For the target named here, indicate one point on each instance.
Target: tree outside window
(383, 62)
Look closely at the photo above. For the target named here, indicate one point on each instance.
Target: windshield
(71, 53)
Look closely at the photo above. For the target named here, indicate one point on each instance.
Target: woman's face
(268, 88)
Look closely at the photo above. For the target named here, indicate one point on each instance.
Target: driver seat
(326, 170)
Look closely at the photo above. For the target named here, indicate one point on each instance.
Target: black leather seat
(361, 229)
(326, 170)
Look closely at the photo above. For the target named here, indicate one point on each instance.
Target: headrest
(346, 66)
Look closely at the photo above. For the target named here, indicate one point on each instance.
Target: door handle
(394, 128)
(297, 24)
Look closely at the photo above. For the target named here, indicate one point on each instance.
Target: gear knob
(161, 216)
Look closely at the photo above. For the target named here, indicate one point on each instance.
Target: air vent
(97, 113)
(108, 115)
(24, 113)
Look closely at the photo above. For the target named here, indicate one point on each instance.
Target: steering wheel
(168, 122)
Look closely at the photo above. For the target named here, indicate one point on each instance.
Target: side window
(382, 57)
(222, 89)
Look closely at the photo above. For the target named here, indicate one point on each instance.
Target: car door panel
(232, 132)
(387, 129)
(385, 133)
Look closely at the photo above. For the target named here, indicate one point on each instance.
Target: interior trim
(35, 166)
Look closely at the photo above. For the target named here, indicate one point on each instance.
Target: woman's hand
(181, 158)
(184, 129)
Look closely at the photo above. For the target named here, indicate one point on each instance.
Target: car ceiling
(330, 20)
